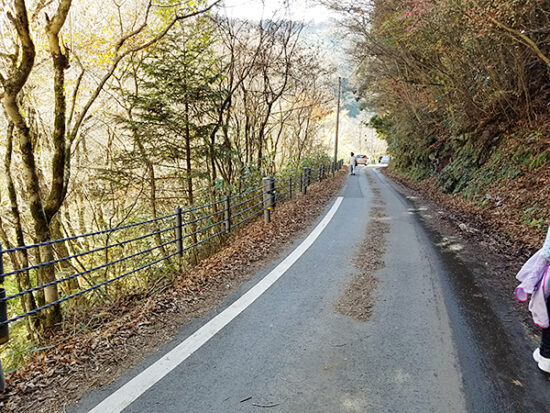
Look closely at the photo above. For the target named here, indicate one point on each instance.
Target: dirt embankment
(72, 366)
(505, 220)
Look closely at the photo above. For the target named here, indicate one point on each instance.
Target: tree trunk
(23, 280)
(62, 252)
(152, 190)
(40, 221)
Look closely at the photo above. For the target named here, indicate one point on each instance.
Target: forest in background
(461, 89)
(121, 113)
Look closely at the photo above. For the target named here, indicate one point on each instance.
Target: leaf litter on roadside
(71, 367)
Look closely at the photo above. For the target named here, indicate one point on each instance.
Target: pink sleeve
(531, 275)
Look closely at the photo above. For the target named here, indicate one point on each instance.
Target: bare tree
(43, 205)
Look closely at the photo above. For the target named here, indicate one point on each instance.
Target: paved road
(289, 351)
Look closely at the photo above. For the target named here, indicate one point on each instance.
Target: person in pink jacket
(535, 280)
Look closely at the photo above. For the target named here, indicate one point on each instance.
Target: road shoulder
(64, 372)
(481, 285)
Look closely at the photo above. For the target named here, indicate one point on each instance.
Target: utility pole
(337, 120)
(360, 137)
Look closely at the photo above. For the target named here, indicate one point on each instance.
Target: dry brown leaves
(357, 300)
(502, 225)
(71, 367)
(495, 235)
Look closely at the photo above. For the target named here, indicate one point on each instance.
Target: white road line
(124, 396)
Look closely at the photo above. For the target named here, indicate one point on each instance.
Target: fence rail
(162, 238)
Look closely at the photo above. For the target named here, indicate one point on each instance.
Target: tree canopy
(451, 79)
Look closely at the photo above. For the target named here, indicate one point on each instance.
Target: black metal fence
(92, 262)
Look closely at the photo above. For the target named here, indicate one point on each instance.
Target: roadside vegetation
(461, 90)
(120, 112)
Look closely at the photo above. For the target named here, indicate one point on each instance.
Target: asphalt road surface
(428, 346)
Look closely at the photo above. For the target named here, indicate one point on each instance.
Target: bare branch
(20, 75)
(119, 57)
(42, 4)
(523, 38)
(75, 92)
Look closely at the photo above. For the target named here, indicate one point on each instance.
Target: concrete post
(2, 379)
(179, 232)
(227, 214)
(269, 195)
(290, 188)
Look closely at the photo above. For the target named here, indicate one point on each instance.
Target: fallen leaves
(504, 223)
(357, 300)
(506, 241)
(72, 366)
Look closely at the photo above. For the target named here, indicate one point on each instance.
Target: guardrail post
(290, 188)
(227, 214)
(4, 328)
(302, 183)
(179, 232)
(4, 332)
(308, 177)
(1, 264)
(269, 195)
(2, 379)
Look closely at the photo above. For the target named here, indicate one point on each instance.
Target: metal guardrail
(174, 237)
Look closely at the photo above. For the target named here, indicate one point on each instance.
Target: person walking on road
(352, 164)
(535, 280)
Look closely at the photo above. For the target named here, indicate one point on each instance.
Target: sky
(256, 9)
